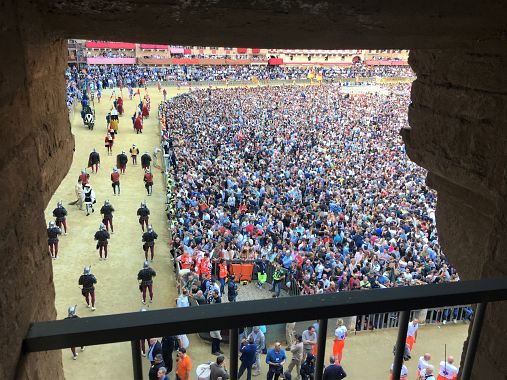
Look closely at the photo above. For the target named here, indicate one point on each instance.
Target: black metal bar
(473, 341)
(52, 335)
(321, 348)
(233, 353)
(137, 365)
(400, 343)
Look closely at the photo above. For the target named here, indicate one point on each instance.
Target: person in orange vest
(412, 333)
(115, 180)
(185, 260)
(339, 340)
(205, 267)
(222, 274)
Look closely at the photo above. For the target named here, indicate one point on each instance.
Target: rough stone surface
(458, 131)
(457, 119)
(37, 149)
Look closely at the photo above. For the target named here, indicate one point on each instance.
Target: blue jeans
(273, 372)
(242, 368)
(215, 345)
(277, 287)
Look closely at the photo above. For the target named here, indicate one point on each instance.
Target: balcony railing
(54, 335)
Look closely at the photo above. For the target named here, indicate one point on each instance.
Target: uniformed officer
(107, 210)
(87, 281)
(102, 237)
(60, 213)
(144, 215)
(71, 315)
(149, 238)
(53, 232)
(145, 276)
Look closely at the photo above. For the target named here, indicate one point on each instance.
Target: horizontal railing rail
(52, 335)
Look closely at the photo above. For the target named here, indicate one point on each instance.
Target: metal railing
(54, 335)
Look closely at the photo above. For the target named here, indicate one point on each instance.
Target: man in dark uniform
(146, 161)
(107, 210)
(60, 213)
(87, 281)
(101, 236)
(94, 161)
(53, 232)
(144, 215)
(71, 315)
(232, 289)
(146, 275)
(149, 242)
(121, 162)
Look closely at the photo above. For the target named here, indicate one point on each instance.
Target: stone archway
(457, 117)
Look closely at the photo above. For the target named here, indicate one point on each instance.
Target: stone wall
(36, 154)
(458, 131)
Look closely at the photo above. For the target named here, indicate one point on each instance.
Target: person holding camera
(275, 359)
(247, 358)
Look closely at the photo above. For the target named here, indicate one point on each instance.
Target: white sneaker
(74, 357)
(143, 302)
(93, 308)
(455, 321)
(151, 301)
(82, 349)
(444, 322)
(88, 306)
(65, 233)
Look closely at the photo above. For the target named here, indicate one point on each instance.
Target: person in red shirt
(115, 180)
(138, 124)
(185, 261)
(84, 177)
(108, 143)
(148, 181)
(205, 267)
(222, 274)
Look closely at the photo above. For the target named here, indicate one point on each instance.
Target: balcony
(54, 335)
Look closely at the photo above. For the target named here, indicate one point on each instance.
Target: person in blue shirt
(247, 358)
(275, 359)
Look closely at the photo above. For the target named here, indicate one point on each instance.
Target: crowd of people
(113, 75)
(311, 181)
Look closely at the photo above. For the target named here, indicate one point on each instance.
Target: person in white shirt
(403, 374)
(339, 340)
(423, 363)
(447, 370)
(412, 333)
(427, 373)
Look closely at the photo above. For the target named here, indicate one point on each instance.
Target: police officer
(146, 160)
(87, 281)
(53, 232)
(149, 242)
(145, 276)
(107, 210)
(144, 215)
(121, 162)
(232, 289)
(102, 236)
(71, 315)
(60, 213)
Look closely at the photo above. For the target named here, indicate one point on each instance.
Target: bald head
(429, 370)
(450, 359)
(427, 356)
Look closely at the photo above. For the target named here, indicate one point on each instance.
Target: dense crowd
(113, 75)
(310, 180)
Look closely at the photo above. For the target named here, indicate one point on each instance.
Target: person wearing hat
(184, 365)
(134, 151)
(148, 181)
(102, 236)
(115, 180)
(71, 315)
(53, 231)
(146, 160)
(60, 214)
(107, 212)
(121, 161)
(158, 363)
(88, 198)
(87, 280)
(84, 177)
(94, 161)
(145, 276)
